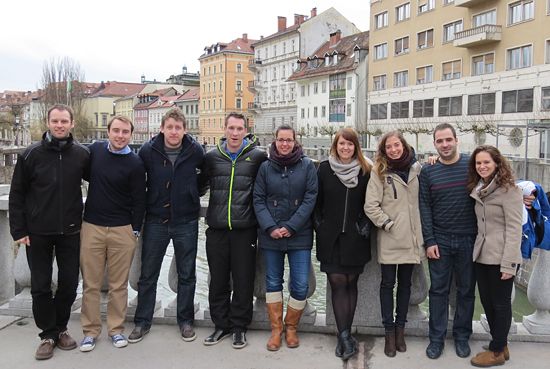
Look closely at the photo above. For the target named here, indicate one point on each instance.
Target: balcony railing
(255, 86)
(254, 63)
(478, 36)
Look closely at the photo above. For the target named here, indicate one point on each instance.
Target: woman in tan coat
(392, 205)
(497, 250)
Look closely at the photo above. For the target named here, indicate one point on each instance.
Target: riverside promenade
(162, 348)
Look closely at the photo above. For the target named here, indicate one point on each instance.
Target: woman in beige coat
(497, 250)
(392, 205)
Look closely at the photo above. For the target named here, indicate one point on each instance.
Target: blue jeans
(455, 259)
(299, 262)
(156, 238)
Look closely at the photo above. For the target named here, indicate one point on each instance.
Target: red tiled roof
(191, 94)
(344, 47)
(114, 88)
(240, 45)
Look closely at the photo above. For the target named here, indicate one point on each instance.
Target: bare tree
(328, 130)
(63, 83)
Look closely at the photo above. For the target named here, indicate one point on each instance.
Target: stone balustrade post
(7, 281)
(538, 294)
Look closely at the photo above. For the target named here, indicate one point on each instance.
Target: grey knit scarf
(346, 173)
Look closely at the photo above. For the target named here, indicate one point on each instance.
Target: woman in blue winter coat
(285, 192)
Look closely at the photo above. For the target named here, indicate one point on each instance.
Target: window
(214, 86)
(521, 11)
(401, 79)
(426, 6)
(482, 19)
(402, 45)
(214, 104)
(348, 110)
(315, 88)
(378, 111)
(274, 73)
(379, 82)
(239, 68)
(483, 64)
(337, 110)
(283, 73)
(545, 95)
(426, 39)
(423, 108)
(303, 90)
(400, 109)
(238, 103)
(324, 86)
(293, 43)
(481, 104)
(221, 86)
(381, 51)
(323, 111)
(381, 20)
(214, 69)
(350, 83)
(449, 106)
(424, 75)
(337, 86)
(547, 58)
(315, 112)
(519, 57)
(517, 101)
(303, 113)
(452, 70)
(239, 86)
(274, 50)
(284, 47)
(403, 12)
(450, 29)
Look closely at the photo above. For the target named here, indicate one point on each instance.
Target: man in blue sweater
(449, 229)
(173, 161)
(112, 221)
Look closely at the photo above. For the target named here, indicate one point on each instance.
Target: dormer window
(335, 59)
(327, 60)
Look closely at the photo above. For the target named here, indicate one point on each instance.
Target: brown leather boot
(45, 349)
(292, 319)
(275, 311)
(487, 359)
(506, 351)
(400, 344)
(389, 346)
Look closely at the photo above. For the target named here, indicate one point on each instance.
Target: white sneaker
(119, 340)
(87, 344)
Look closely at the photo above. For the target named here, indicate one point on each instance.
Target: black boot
(348, 344)
(339, 351)
(389, 345)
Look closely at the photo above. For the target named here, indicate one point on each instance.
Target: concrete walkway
(163, 349)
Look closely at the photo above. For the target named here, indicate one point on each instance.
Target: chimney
(281, 23)
(245, 37)
(299, 19)
(313, 12)
(335, 38)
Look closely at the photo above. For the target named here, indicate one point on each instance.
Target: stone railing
(14, 272)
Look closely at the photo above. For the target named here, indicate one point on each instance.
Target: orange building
(223, 81)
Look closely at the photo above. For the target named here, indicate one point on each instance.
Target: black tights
(344, 298)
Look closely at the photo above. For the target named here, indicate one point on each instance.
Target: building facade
(481, 65)
(223, 82)
(189, 104)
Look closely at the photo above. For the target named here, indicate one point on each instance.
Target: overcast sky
(122, 39)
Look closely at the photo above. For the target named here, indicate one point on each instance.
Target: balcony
(468, 3)
(253, 64)
(254, 107)
(255, 86)
(481, 35)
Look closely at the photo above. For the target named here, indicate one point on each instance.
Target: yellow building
(482, 65)
(223, 81)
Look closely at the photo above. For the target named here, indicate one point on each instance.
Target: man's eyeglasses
(285, 140)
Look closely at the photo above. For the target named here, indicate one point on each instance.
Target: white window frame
(522, 62)
(452, 67)
(406, 12)
(523, 15)
(379, 82)
(457, 25)
(384, 52)
(484, 13)
(484, 63)
(402, 50)
(547, 49)
(401, 73)
(426, 80)
(384, 16)
(544, 98)
(425, 39)
(426, 6)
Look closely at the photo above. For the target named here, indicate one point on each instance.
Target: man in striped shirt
(449, 229)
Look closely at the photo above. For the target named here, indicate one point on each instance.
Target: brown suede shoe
(487, 359)
(45, 349)
(506, 351)
(66, 342)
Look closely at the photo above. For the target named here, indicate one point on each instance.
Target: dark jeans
(496, 298)
(156, 237)
(455, 259)
(404, 274)
(231, 257)
(298, 261)
(51, 313)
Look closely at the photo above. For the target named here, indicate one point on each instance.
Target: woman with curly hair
(497, 249)
(392, 205)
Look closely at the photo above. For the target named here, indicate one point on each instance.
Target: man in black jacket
(231, 169)
(173, 161)
(45, 208)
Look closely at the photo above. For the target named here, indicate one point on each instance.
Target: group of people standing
(452, 211)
